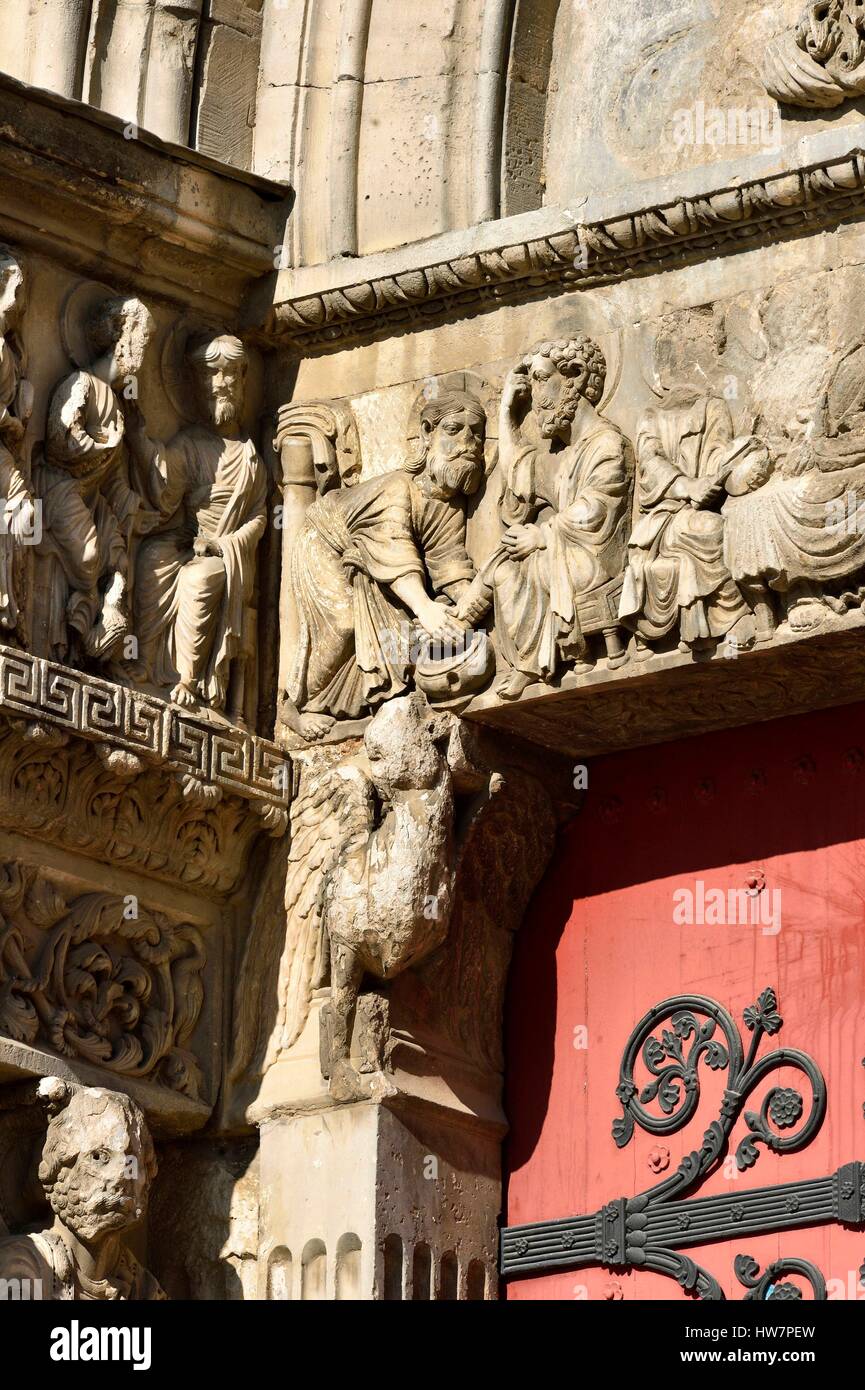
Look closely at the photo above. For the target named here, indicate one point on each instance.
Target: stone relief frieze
(555, 578)
(732, 512)
(820, 62)
(195, 575)
(96, 1170)
(100, 979)
(142, 560)
(92, 515)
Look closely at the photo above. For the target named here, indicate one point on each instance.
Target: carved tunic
(45, 1258)
(189, 608)
(579, 498)
(89, 507)
(355, 544)
(805, 527)
(13, 488)
(676, 570)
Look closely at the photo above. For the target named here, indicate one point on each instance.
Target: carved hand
(439, 620)
(520, 541)
(472, 607)
(705, 492)
(205, 545)
(516, 393)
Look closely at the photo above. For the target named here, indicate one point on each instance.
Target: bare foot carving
(314, 726)
(806, 614)
(743, 633)
(184, 695)
(513, 685)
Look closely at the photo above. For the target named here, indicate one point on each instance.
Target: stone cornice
(766, 198)
(81, 185)
(209, 759)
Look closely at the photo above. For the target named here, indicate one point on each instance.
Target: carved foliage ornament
(820, 62)
(101, 979)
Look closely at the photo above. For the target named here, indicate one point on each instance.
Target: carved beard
(558, 415)
(223, 411)
(445, 477)
(109, 1210)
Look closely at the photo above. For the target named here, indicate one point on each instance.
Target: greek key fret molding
(210, 758)
(650, 1230)
(732, 218)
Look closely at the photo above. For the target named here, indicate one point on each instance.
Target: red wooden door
(630, 915)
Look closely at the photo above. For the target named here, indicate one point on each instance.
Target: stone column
(297, 483)
(169, 84)
(57, 41)
(142, 63)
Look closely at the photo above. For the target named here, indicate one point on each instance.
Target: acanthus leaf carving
(93, 978)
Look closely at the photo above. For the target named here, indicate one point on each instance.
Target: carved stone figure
(820, 62)
(97, 1167)
(195, 576)
(556, 575)
(370, 558)
(16, 404)
(800, 531)
(375, 853)
(91, 513)
(677, 578)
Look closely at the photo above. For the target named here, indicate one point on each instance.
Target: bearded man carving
(195, 577)
(373, 556)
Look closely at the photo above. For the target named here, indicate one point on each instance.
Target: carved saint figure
(800, 531)
(371, 557)
(564, 508)
(97, 1168)
(677, 579)
(90, 511)
(16, 403)
(195, 576)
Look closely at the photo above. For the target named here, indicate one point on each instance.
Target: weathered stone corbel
(378, 1002)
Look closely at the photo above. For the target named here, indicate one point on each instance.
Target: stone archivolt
(653, 238)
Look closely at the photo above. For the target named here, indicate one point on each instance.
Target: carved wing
(333, 809)
(333, 814)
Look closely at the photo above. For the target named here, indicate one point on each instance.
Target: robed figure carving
(373, 557)
(16, 404)
(677, 580)
(555, 577)
(195, 576)
(91, 513)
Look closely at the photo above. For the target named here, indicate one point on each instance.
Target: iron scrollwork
(651, 1230)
